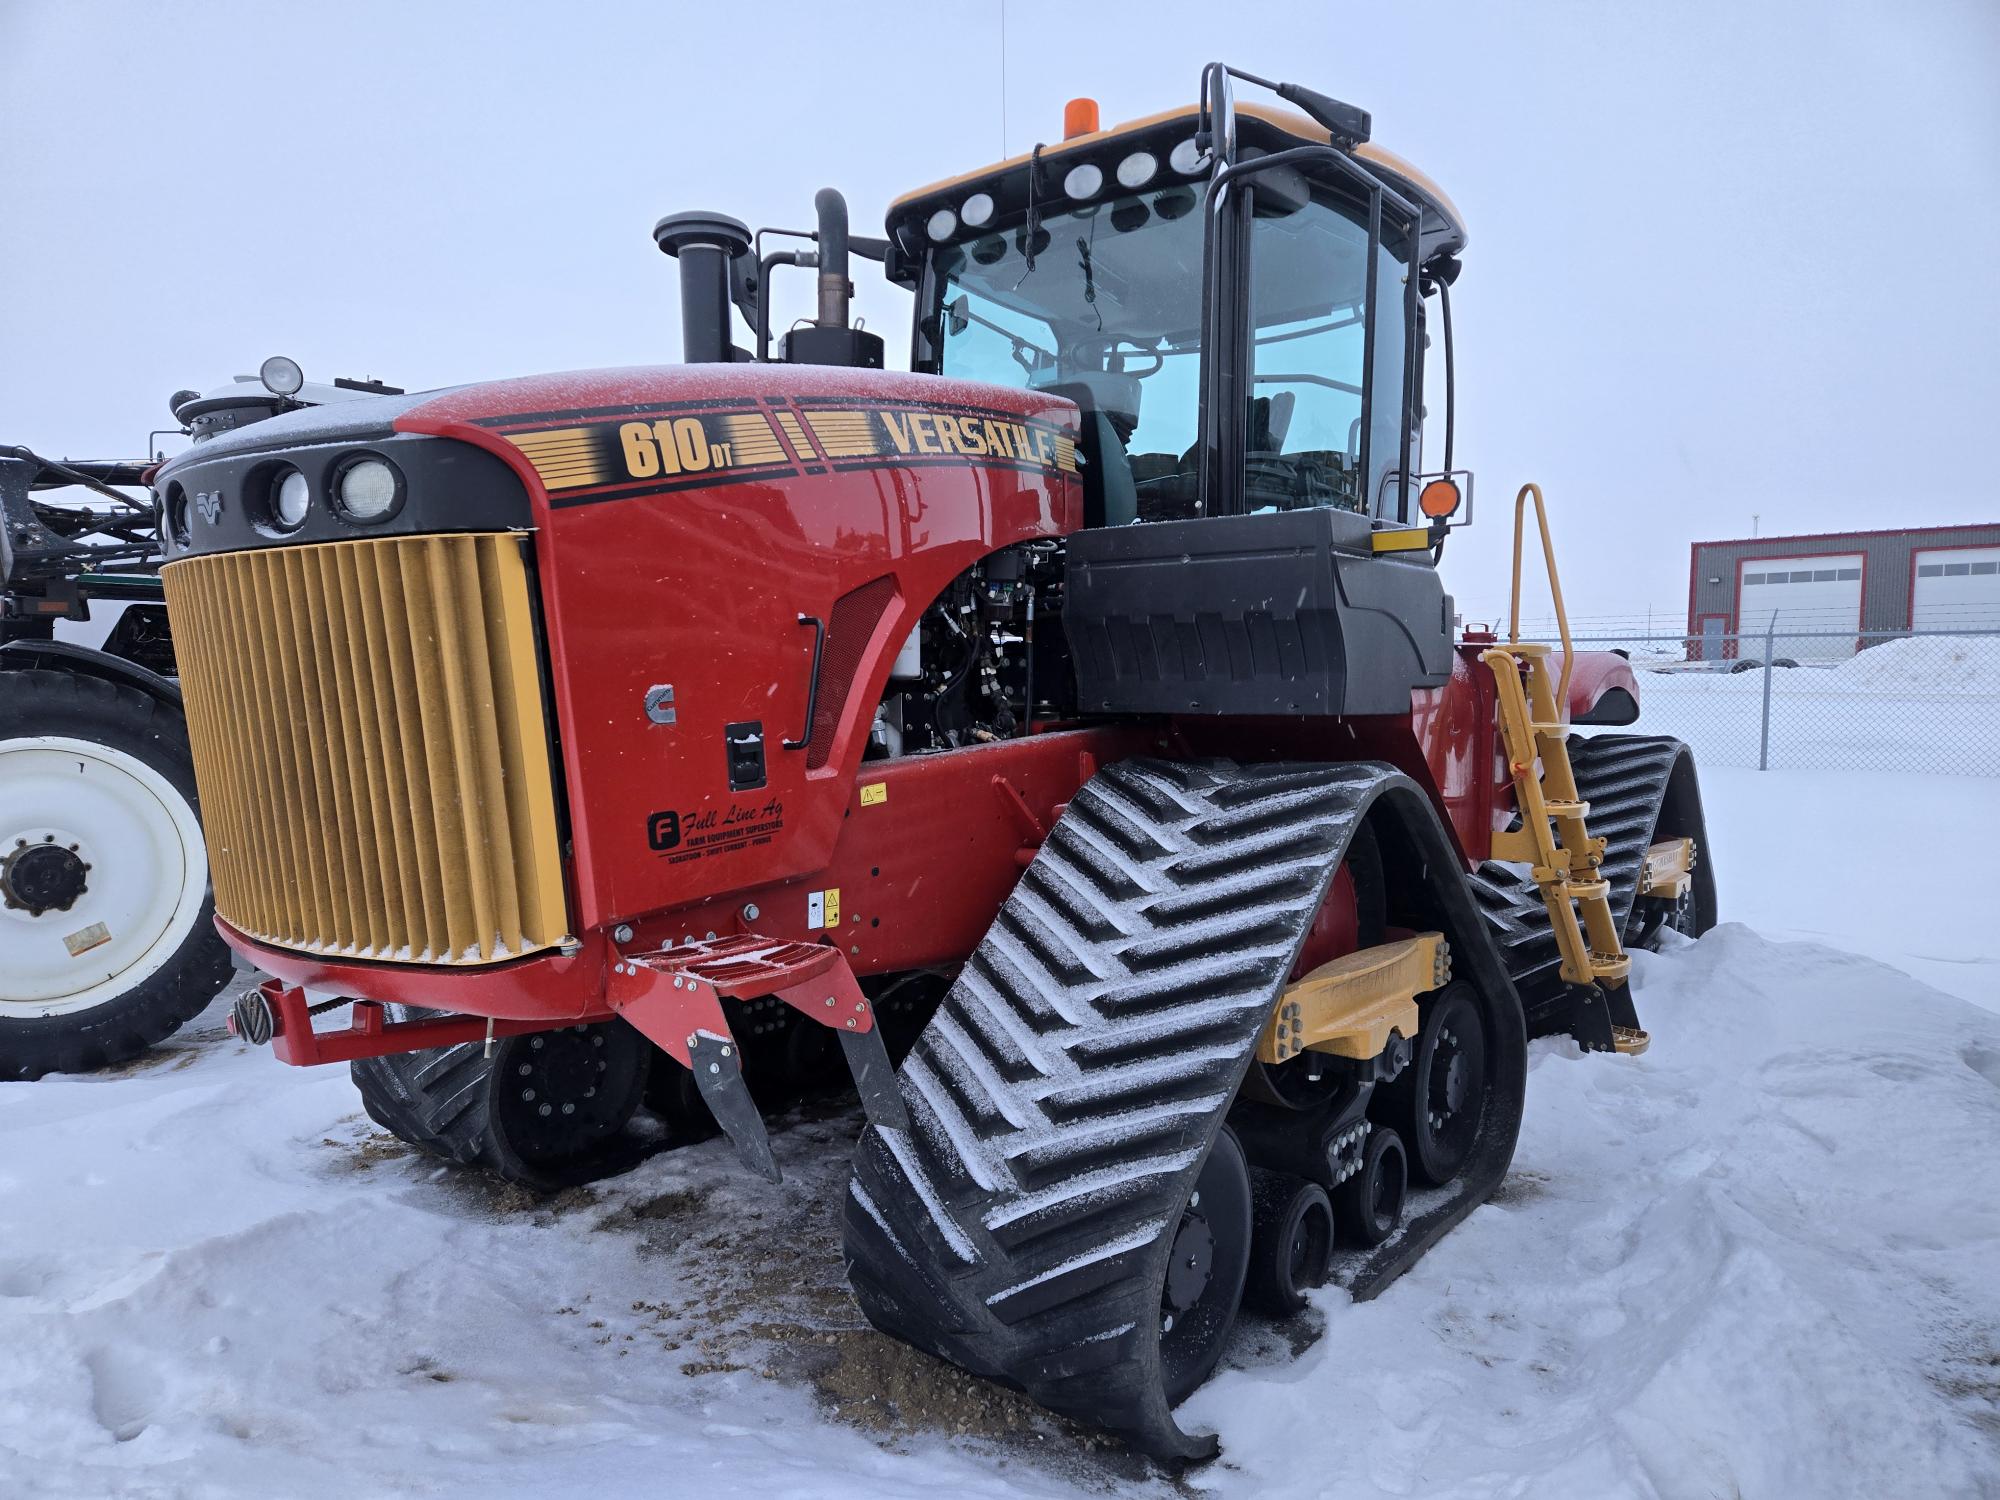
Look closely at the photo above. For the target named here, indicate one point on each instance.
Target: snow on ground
(1925, 704)
(1759, 1261)
(1894, 867)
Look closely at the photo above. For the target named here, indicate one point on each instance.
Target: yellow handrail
(1555, 585)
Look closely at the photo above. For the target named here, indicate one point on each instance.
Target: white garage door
(1816, 602)
(1957, 589)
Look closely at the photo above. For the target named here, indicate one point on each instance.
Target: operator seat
(1110, 406)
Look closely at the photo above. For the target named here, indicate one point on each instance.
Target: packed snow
(1761, 1260)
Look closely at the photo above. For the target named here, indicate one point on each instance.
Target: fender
(1603, 689)
(61, 656)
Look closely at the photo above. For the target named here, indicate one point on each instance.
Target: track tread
(1026, 1240)
(1625, 780)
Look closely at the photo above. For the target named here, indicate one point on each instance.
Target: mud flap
(717, 1064)
(674, 997)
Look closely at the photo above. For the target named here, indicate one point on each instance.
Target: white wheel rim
(148, 873)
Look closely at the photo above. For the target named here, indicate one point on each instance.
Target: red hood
(610, 392)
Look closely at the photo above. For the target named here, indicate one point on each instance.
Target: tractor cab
(1236, 297)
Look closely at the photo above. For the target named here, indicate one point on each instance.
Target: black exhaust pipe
(834, 287)
(828, 340)
(704, 244)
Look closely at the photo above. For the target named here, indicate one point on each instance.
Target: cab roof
(1443, 229)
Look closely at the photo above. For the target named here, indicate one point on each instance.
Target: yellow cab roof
(1400, 173)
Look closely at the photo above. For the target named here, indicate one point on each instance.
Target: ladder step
(1556, 728)
(1586, 890)
(1615, 967)
(1629, 1041)
(1564, 809)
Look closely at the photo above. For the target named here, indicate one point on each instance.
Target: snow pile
(1758, 1261)
(1929, 663)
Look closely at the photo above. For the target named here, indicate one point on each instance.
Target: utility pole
(1754, 518)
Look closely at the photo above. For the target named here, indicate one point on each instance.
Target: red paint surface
(702, 587)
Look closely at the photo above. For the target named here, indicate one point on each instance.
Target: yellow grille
(370, 747)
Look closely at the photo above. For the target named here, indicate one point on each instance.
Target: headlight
(977, 211)
(1084, 181)
(291, 498)
(1187, 158)
(367, 489)
(942, 224)
(1136, 170)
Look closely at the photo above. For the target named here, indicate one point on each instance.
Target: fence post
(1764, 731)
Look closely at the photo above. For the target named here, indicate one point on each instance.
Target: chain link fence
(1793, 699)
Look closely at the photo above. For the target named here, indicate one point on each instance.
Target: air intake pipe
(704, 244)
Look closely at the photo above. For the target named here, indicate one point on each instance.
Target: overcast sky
(1726, 258)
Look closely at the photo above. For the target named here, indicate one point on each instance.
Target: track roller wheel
(1205, 1270)
(545, 1110)
(1370, 1203)
(1291, 1242)
(1437, 1101)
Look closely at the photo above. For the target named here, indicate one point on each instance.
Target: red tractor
(1073, 732)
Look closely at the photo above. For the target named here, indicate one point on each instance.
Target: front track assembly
(1069, 1102)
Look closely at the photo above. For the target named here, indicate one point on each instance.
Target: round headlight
(1137, 169)
(367, 489)
(1187, 158)
(1085, 181)
(291, 498)
(977, 211)
(174, 516)
(281, 376)
(942, 224)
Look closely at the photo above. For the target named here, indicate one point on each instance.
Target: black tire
(1291, 1243)
(157, 1004)
(1437, 1101)
(466, 1108)
(1369, 1205)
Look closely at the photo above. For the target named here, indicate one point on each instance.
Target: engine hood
(602, 434)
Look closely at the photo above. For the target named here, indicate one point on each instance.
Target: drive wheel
(1206, 1266)
(1437, 1101)
(545, 1110)
(107, 938)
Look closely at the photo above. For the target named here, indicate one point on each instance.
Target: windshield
(1103, 305)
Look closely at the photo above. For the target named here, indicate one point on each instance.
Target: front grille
(370, 746)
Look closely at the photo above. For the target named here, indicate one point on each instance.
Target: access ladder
(1554, 840)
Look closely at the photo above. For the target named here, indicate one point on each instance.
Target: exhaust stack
(829, 341)
(704, 244)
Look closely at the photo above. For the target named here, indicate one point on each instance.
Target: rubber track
(1066, 1092)
(1624, 779)
(437, 1100)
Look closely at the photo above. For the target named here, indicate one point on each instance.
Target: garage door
(1815, 601)
(1957, 589)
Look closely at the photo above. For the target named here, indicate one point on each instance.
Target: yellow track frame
(1554, 840)
(1353, 1005)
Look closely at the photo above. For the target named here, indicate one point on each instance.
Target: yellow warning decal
(823, 908)
(875, 794)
